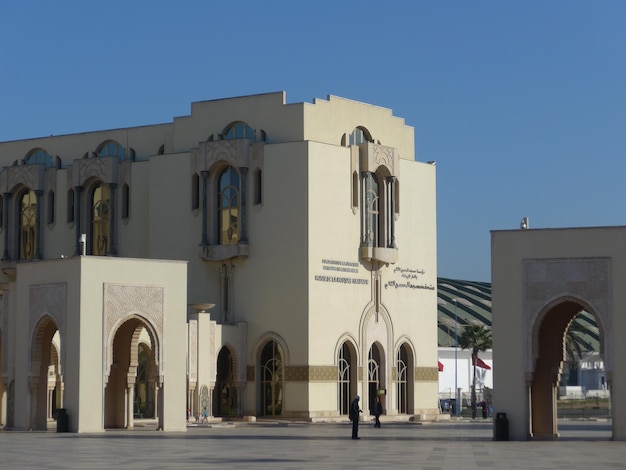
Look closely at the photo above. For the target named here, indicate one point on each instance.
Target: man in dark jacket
(377, 412)
(355, 410)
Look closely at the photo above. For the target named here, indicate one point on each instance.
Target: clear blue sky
(522, 104)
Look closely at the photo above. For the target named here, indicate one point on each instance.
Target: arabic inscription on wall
(408, 278)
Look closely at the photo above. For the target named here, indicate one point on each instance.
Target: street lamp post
(456, 347)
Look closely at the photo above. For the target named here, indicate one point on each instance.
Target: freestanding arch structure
(541, 279)
(100, 306)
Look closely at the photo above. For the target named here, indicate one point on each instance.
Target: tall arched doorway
(549, 354)
(405, 379)
(375, 374)
(347, 377)
(272, 376)
(225, 400)
(120, 403)
(42, 359)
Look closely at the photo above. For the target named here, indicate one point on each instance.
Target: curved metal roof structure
(470, 302)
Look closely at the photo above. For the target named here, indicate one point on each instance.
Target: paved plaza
(447, 445)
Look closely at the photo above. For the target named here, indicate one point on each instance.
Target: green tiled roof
(473, 305)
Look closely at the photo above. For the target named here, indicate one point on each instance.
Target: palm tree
(575, 347)
(477, 338)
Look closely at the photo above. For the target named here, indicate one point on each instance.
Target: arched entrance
(225, 401)
(375, 374)
(120, 403)
(3, 390)
(549, 348)
(405, 380)
(271, 380)
(44, 356)
(347, 376)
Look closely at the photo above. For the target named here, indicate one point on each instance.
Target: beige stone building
(255, 258)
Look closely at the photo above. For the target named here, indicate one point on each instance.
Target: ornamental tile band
(426, 374)
(311, 373)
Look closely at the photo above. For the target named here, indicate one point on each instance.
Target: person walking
(355, 410)
(378, 410)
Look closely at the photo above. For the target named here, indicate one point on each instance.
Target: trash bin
(62, 420)
(501, 427)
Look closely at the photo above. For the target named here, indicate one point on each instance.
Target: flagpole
(456, 375)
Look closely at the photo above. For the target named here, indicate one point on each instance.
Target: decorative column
(191, 400)
(5, 222)
(243, 235)
(33, 382)
(112, 248)
(159, 400)
(240, 389)
(205, 176)
(60, 391)
(49, 403)
(77, 204)
(130, 398)
(363, 209)
(391, 182)
(368, 239)
(38, 228)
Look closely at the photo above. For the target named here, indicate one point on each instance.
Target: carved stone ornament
(235, 152)
(193, 350)
(124, 301)
(48, 299)
(376, 155)
(586, 280)
(30, 176)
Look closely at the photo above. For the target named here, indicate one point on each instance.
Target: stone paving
(279, 445)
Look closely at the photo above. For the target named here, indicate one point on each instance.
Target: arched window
(28, 225)
(372, 199)
(239, 130)
(50, 209)
(38, 157)
(100, 219)
(379, 196)
(359, 135)
(111, 149)
(70, 205)
(125, 201)
(272, 380)
(228, 206)
(258, 181)
(195, 192)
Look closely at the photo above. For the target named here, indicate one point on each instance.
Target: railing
(595, 412)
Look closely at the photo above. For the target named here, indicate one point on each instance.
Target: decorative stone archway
(98, 305)
(541, 279)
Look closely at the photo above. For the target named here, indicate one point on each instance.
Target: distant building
(473, 305)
